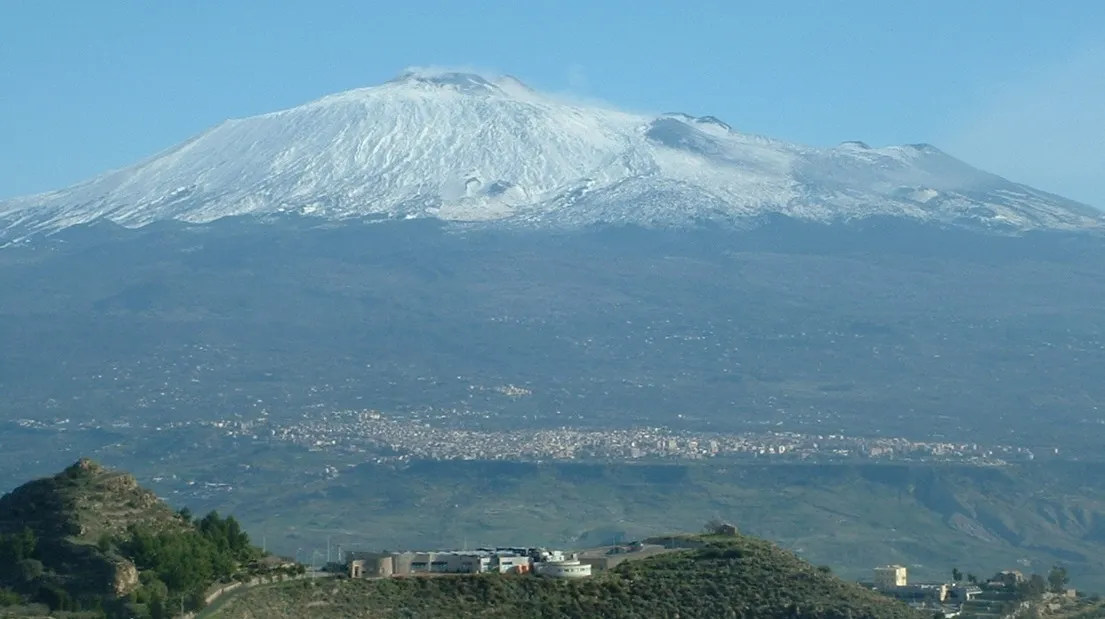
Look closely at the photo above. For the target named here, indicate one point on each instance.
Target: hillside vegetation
(91, 541)
(724, 577)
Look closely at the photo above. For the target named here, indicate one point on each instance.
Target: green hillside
(724, 577)
(90, 542)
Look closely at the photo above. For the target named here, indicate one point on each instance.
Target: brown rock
(87, 464)
(125, 579)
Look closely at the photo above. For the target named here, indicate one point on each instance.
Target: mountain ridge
(466, 147)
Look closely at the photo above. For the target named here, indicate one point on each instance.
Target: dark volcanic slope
(880, 328)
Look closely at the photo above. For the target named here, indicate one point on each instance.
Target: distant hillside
(91, 540)
(854, 517)
(725, 577)
(798, 324)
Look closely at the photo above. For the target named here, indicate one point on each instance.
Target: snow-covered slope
(466, 147)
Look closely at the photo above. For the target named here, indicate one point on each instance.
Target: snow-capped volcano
(469, 147)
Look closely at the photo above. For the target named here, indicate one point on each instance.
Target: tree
(30, 570)
(971, 578)
(197, 600)
(55, 597)
(10, 598)
(713, 526)
(1057, 578)
(956, 575)
(29, 542)
(18, 546)
(157, 608)
(1033, 588)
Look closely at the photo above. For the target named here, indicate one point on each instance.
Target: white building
(511, 564)
(479, 561)
(569, 568)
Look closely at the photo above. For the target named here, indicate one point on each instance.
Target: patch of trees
(10, 598)
(177, 567)
(1058, 579)
(19, 557)
(15, 547)
(1036, 585)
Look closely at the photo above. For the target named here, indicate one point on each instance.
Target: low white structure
(570, 568)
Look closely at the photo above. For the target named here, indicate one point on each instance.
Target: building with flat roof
(891, 576)
(935, 593)
(480, 561)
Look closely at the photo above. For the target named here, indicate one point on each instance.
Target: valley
(398, 384)
(868, 332)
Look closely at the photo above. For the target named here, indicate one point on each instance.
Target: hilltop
(83, 503)
(731, 576)
(91, 539)
(464, 147)
(60, 521)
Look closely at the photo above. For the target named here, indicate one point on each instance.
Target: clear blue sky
(1014, 86)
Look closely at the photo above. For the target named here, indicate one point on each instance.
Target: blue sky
(1014, 86)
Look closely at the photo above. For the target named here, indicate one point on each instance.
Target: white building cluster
(947, 599)
(539, 561)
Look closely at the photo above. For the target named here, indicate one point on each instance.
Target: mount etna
(498, 258)
(467, 147)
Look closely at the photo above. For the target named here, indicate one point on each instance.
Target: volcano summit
(479, 148)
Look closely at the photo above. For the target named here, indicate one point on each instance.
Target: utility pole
(328, 550)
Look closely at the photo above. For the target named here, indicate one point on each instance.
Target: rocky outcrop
(71, 512)
(125, 580)
(85, 466)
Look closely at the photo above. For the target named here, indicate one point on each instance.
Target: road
(212, 609)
